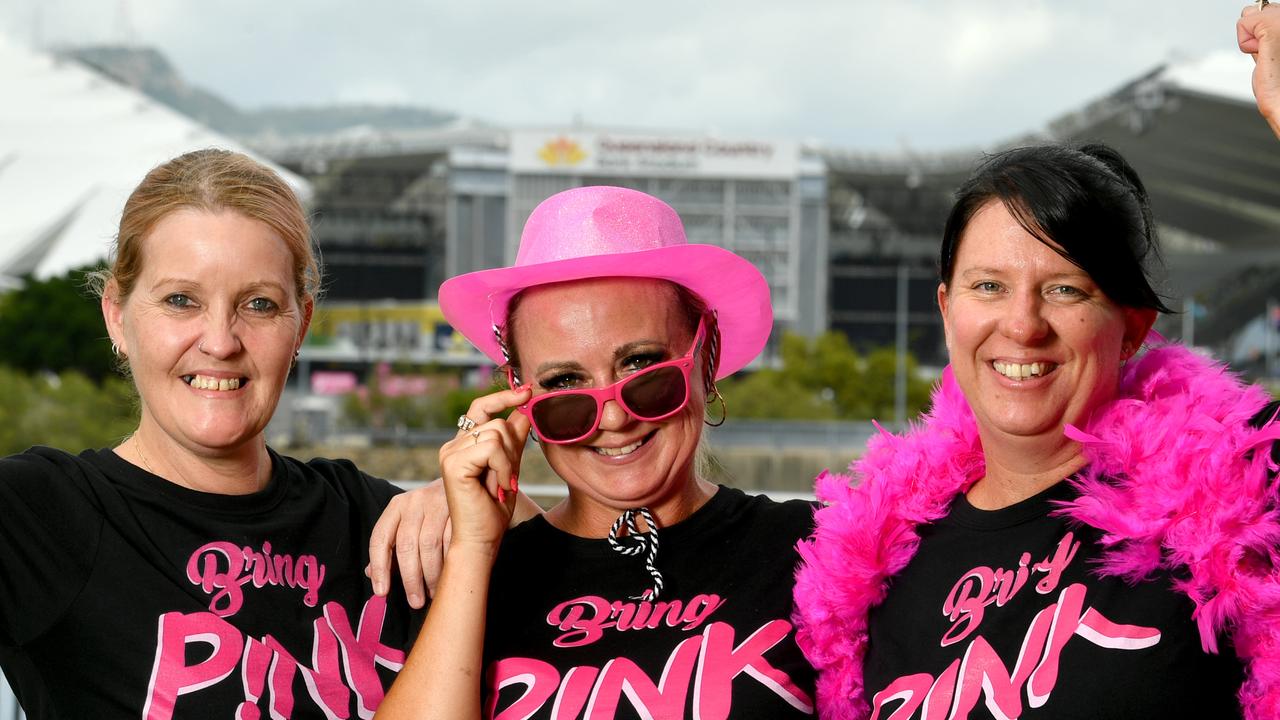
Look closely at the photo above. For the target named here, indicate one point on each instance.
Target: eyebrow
(256, 284)
(980, 271)
(620, 352)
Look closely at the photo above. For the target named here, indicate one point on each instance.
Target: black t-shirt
(123, 595)
(1002, 614)
(564, 639)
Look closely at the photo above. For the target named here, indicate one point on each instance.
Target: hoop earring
(115, 349)
(724, 409)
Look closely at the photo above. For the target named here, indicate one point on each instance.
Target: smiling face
(210, 329)
(591, 333)
(1034, 343)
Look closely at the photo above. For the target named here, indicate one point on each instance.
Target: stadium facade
(396, 214)
(846, 239)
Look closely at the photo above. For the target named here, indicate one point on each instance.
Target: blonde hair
(211, 180)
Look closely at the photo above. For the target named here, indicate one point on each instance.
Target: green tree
(824, 378)
(879, 376)
(773, 394)
(54, 325)
(456, 402)
(66, 411)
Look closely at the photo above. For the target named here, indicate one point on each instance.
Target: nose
(613, 417)
(221, 336)
(1024, 319)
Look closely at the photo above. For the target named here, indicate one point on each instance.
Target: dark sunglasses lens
(566, 417)
(656, 393)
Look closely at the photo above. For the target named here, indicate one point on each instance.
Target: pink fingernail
(515, 483)
(502, 496)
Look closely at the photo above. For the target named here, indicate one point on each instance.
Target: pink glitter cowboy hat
(601, 231)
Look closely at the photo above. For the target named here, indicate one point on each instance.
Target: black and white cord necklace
(638, 543)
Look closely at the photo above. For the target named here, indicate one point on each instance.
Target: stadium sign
(599, 153)
(403, 327)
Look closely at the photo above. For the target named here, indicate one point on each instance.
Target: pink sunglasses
(655, 393)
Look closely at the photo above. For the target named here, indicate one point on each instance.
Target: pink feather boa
(1173, 481)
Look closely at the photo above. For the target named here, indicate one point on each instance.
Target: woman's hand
(414, 531)
(412, 535)
(1258, 33)
(481, 470)
(441, 677)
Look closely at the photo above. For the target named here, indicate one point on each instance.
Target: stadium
(845, 238)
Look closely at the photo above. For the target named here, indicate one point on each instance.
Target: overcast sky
(882, 74)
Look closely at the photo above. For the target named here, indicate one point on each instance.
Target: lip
(1030, 380)
(186, 378)
(646, 441)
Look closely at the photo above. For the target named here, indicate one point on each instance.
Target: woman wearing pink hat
(612, 330)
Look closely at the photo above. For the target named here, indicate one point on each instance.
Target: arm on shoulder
(412, 537)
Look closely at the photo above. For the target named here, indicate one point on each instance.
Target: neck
(587, 517)
(243, 471)
(1018, 468)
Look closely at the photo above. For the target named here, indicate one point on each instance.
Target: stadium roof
(364, 142)
(1212, 167)
(73, 144)
(1209, 160)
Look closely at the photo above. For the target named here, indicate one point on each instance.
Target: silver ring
(465, 424)
(1262, 4)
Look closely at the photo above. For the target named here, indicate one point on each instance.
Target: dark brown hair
(1086, 203)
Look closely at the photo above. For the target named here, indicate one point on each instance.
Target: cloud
(863, 73)
(375, 92)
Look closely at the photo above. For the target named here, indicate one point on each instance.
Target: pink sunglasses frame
(613, 392)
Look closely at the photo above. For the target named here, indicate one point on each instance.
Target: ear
(942, 308)
(308, 309)
(113, 315)
(1137, 323)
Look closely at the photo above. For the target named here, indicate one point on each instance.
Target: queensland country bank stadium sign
(603, 153)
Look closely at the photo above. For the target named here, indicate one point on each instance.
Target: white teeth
(204, 382)
(1022, 371)
(624, 450)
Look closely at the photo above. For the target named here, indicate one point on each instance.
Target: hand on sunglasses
(481, 467)
(655, 393)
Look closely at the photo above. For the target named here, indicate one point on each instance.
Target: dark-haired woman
(1079, 528)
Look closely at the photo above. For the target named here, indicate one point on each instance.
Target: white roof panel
(1226, 73)
(73, 145)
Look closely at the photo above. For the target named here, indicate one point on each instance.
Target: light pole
(1269, 346)
(900, 376)
(1189, 322)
